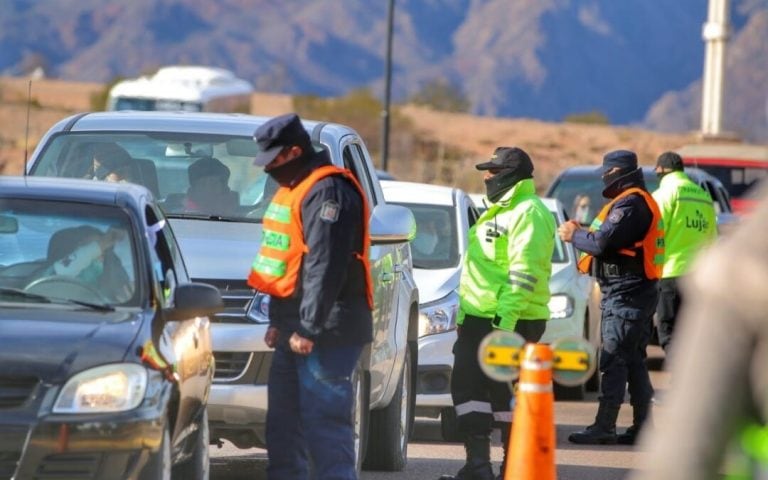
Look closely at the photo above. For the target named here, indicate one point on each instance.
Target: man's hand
(300, 345)
(271, 337)
(565, 230)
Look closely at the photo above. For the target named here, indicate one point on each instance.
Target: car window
(68, 250)
(164, 257)
(573, 191)
(192, 174)
(560, 252)
(437, 243)
(354, 163)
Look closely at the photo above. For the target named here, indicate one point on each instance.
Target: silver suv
(219, 236)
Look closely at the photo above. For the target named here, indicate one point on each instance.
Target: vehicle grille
(236, 294)
(69, 465)
(15, 390)
(231, 365)
(8, 462)
(242, 368)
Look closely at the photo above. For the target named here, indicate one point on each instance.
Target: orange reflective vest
(651, 246)
(277, 267)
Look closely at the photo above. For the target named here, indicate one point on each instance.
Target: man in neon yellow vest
(689, 225)
(504, 285)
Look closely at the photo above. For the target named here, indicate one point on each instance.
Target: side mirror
(194, 300)
(391, 224)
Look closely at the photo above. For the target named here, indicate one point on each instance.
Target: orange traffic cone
(531, 454)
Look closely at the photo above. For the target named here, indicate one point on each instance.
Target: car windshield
(193, 175)
(66, 252)
(437, 241)
(582, 195)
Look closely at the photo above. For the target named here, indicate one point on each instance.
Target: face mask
(425, 242)
(661, 174)
(92, 272)
(499, 184)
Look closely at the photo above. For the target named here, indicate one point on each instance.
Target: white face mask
(425, 242)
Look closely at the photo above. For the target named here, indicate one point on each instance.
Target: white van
(187, 88)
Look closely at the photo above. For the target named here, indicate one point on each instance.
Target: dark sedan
(105, 350)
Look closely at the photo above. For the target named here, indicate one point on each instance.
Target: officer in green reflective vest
(689, 225)
(504, 285)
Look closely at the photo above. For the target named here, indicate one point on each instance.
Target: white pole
(715, 33)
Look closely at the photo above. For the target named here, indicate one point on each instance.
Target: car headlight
(560, 306)
(258, 308)
(439, 316)
(110, 388)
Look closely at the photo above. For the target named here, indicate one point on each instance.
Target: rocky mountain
(633, 60)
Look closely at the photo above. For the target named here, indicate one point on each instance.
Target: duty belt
(607, 270)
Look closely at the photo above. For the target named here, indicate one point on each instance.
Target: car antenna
(26, 132)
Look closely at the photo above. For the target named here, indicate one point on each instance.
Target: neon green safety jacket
(689, 221)
(509, 260)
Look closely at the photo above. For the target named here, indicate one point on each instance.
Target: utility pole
(387, 87)
(715, 34)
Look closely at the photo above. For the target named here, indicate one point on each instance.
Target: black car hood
(54, 344)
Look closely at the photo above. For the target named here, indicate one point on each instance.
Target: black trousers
(480, 402)
(667, 309)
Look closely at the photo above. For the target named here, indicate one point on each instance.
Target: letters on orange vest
(651, 246)
(277, 266)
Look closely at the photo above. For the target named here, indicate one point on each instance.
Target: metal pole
(715, 34)
(387, 87)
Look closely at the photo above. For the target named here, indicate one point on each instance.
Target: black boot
(603, 431)
(640, 418)
(505, 428)
(478, 465)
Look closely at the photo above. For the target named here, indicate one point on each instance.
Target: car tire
(360, 414)
(198, 466)
(449, 425)
(159, 465)
(389, 427)
(569, 393)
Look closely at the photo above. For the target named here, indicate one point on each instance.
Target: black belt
(620, 269)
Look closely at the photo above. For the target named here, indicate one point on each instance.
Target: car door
(385, 272)
(188, 340)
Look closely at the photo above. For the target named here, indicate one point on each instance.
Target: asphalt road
(429, 456)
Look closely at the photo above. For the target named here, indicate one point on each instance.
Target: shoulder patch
(616, 215)
(329, 211)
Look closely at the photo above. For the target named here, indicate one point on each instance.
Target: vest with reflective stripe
(652, 245)
(277, 266)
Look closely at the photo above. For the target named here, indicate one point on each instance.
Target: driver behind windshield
(209, 190)
(86, 254)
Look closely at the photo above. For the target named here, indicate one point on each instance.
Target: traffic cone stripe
(534, 388)
(536, 365)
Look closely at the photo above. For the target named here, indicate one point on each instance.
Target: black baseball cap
(626, 160)
(278, 133)
(670, 160)
(512, 158)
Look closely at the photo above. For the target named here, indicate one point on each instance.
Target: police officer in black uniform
(629, 296)
(319, 331)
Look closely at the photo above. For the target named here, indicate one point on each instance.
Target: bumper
(237, 405)
(434, 373)
(82, 446)
(238, 413)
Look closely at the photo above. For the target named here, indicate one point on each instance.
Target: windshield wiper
(46, 299)
(22, 294)
(205, 216)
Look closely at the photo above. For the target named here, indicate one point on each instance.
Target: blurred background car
(99, 379)
(443, 216)
(581, 186)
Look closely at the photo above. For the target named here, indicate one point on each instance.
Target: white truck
(218, 248)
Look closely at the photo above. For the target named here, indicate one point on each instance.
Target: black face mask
(499, 184)
(615, 183)
(661, 175)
